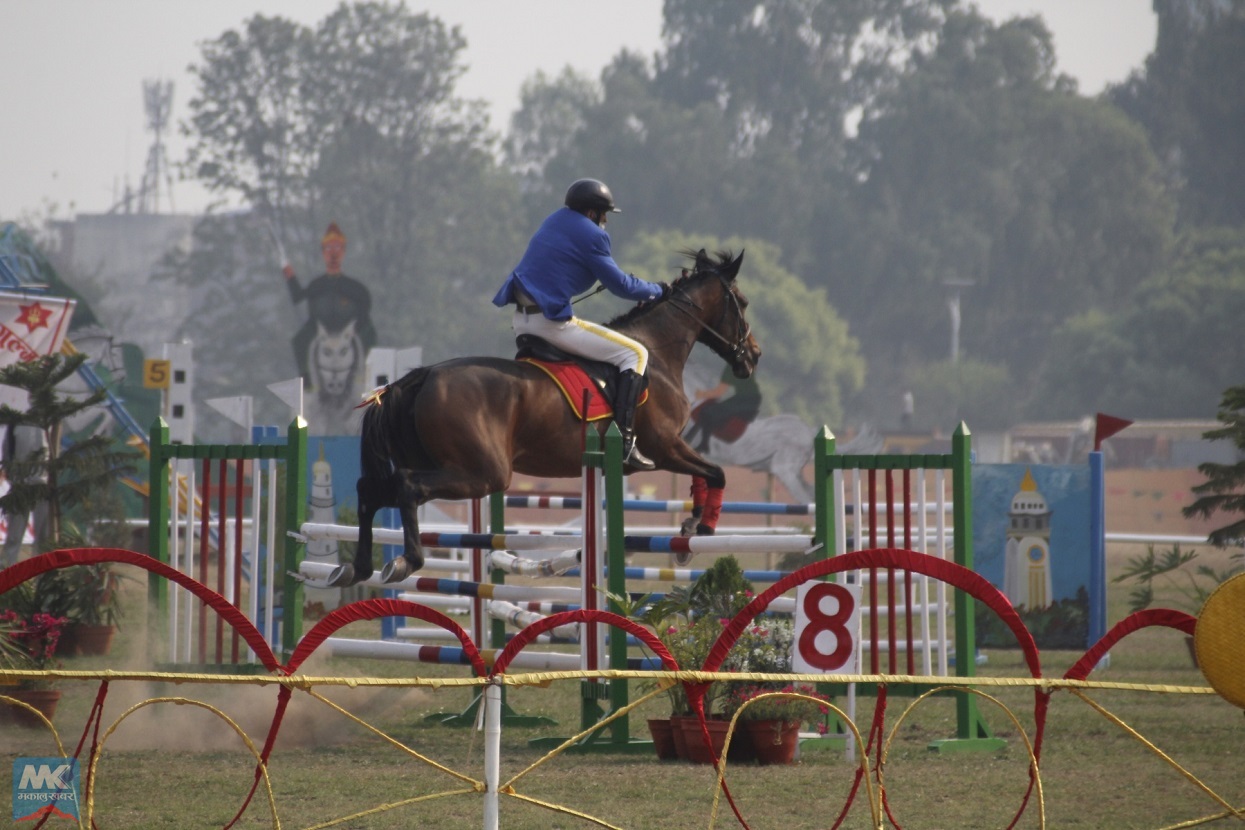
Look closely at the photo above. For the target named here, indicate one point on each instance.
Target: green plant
(1192, 585)
(94, 594)
(689, 620)
(72, 476)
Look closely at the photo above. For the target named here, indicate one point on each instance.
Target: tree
(981, 393)
(1187, 101)
(356, 121)
(984, 166)
(811, 365)
(1167, 351)
(1224, 488)
(790, 71)
(65, 477)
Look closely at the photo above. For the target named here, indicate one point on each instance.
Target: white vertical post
(492, 754)
(270, 573)
(923, 600)
(381, 369)
(175, 592)
(180, 414)
(941, 495)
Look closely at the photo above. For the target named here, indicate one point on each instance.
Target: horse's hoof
(399, 569)
(683, 558)
(704, 530)
(342, 577)
(688, 528)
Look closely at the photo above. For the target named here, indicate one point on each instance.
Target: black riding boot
(631, 385)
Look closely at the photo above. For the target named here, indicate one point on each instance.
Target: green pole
(972, 733)
(295, 515)
(158, 514)
(616, 576)
(823, 492)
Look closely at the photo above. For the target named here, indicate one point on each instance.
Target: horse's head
(710, 294)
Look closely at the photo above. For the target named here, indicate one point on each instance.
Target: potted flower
(95, 603)
(29, 644)
(770, 714)
(689, 621)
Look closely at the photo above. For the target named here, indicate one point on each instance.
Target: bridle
(733, 352)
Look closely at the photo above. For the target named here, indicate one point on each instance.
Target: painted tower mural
(1031, 540)
(1026, 556)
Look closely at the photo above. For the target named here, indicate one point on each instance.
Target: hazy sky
(71, 71)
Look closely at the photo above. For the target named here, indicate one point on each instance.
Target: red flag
(1107, 426)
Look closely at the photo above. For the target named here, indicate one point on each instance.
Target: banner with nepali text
(31, 325)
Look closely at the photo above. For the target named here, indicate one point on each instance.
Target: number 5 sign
(827, 628)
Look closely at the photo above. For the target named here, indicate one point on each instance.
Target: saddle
(573, 375)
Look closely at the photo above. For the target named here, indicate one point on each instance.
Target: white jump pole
(492, 754)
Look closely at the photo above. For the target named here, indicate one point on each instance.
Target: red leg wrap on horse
(713, 507)
(700, 490)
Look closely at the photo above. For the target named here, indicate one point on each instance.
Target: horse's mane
(688, 278)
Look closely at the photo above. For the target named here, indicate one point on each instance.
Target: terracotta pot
(679, 735)
(773, 741)
(93, 640)
(698, 753)
(44, 700)
(663, 738)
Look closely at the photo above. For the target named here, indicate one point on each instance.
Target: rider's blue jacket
(568, 255)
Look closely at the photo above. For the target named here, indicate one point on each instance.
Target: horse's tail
(382, 434)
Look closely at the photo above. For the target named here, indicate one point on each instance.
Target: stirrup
(634, 458)
(637, 460)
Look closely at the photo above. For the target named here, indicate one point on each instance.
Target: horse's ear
(733, 268)
(702, 259)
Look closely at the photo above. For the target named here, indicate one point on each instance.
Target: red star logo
(34, 316)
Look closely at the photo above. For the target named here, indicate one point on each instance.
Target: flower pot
(663, 738)
(698, 753)
(679, 736)
(773, 741)
(44, 700)
(92, 640)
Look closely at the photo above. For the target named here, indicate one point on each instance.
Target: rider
(568, 255)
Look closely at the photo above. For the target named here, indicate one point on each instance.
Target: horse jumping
(460, 429)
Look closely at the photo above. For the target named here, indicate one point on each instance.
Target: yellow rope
(181, 701)
(477, 786)
(1020, 730)
(571, 741)
(299, 681)
(1232, 811)
(662, 679)
(387, 807)
(60, 748)
(874, 799)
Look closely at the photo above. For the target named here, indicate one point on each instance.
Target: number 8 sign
(827, 628)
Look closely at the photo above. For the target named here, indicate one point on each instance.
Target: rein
(736, 349)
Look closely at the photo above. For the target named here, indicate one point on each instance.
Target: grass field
(179, 766)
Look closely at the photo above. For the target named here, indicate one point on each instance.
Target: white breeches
(586, 339)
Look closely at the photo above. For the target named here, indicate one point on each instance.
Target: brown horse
(460, 429)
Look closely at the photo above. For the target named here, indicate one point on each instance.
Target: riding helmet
(590, 194)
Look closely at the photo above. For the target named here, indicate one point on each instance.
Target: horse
(460, 429)
(336, 363)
